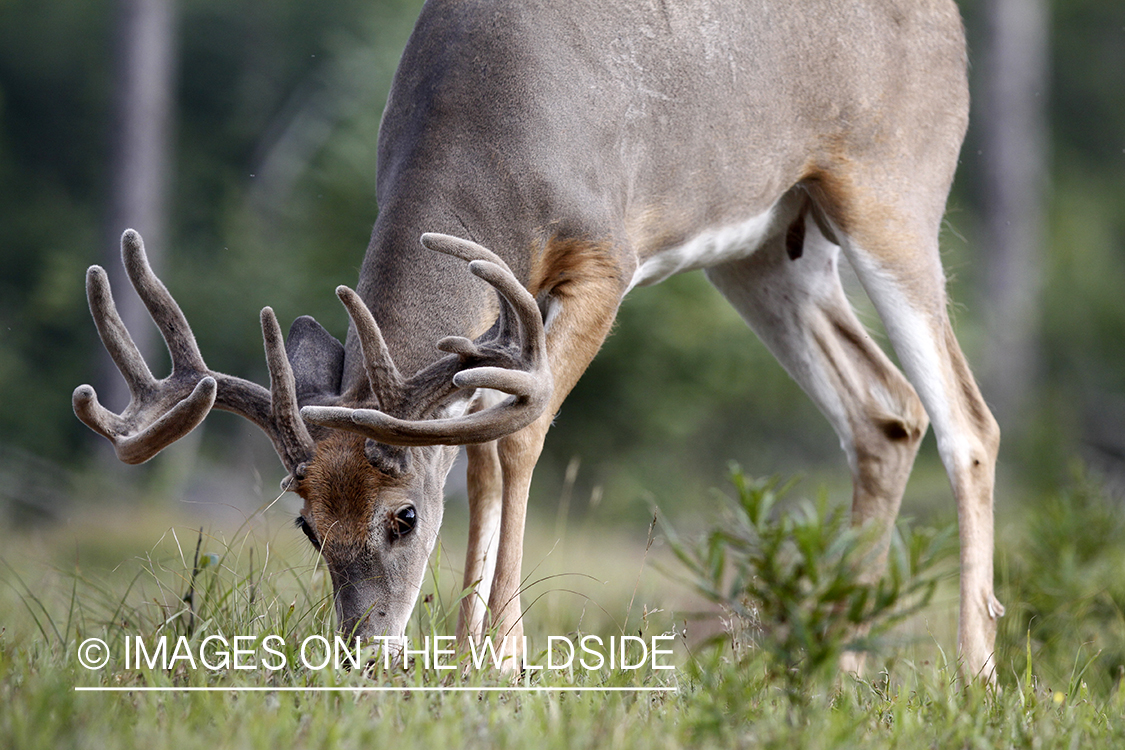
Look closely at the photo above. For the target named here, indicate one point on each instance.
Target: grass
(760, 684)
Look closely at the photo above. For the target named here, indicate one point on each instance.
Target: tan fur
(651, 229)
(566, 265)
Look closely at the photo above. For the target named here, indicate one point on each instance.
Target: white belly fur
(708, 248)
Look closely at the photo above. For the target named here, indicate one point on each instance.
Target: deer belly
(710, 247)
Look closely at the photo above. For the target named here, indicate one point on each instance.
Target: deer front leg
(518, 454)
(579, 285)
(484, 489)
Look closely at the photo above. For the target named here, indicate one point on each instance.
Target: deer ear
(392, 460)
(317, 359)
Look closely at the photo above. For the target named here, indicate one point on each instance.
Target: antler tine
(161, 306)
(382, 374)
(517, 306)
(113, 333)
(291, 438)
(492, 361)
(164, 430)
(478, 427)
(152, 430)
(524, 320)
(466, 250)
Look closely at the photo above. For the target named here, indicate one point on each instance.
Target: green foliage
(917, 701)
(1064, 591)
(799, 576)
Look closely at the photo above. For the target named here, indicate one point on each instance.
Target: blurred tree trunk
(140, 157)
(1012, 105)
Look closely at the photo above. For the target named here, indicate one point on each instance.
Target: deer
(538, 160)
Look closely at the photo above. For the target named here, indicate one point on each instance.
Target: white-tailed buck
(593, 147)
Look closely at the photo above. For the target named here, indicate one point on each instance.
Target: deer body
(594, 147)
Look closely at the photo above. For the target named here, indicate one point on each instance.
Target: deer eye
(303, 525)
(403, 522)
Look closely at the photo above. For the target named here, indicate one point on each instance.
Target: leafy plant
(795, 578)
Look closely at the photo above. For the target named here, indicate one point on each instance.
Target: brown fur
(340, 488)
(587, 279)
(564, 264)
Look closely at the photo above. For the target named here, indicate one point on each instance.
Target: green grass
(759, 685)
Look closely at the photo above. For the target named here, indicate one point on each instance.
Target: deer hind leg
(793, 300)
(580, 285)
(892, 242)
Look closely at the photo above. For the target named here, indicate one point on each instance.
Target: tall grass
(787, 569)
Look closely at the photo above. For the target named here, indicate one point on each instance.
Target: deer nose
(358, 609)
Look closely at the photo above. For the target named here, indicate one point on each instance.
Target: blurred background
(239, 138)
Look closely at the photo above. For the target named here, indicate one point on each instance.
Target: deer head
(370, 463)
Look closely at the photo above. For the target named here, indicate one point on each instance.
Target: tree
(141, 147)
(1014, 146)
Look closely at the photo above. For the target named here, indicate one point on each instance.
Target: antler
(162, 411)
(511, 357)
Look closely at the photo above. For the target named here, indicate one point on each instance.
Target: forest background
(248, 135)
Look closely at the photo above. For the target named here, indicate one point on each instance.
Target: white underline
(423, 689)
